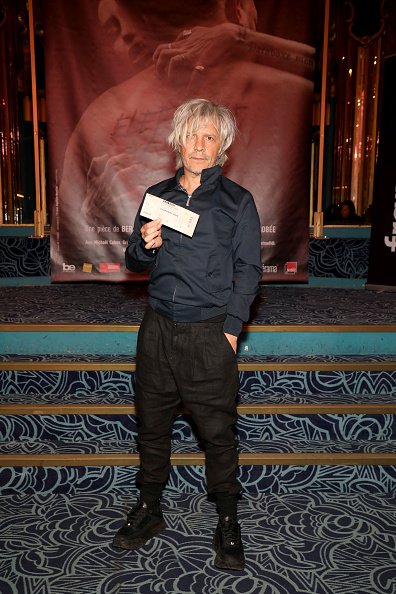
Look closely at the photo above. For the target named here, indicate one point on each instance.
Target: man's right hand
(151, 234)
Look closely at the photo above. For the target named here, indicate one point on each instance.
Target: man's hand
(197, 49)
(232, 340)
(151, 234)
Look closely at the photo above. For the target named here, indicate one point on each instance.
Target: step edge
(190, 459)
(113, 409)
(247, 328)
(242, 366)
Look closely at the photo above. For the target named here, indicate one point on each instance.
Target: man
(200, 289)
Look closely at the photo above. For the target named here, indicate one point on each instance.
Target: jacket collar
(208, 176)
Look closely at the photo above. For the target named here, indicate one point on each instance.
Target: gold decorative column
(9, 127)
(356, 72)
(39, 215)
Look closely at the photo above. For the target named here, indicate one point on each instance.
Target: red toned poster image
(115, 72)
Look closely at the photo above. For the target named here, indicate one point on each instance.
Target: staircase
(316, 409)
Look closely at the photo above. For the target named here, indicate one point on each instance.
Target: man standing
(200, 292)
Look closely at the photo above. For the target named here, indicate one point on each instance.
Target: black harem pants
(190, 363)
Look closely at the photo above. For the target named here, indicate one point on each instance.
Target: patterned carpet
(295, 544)
(125, 304)
(334, 532)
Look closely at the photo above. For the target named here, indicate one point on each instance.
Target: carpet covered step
(256, 427)
(261, 378)
(113, 403)
(284, 320)
(247, 448)
(273, 466)
(255, 386)
(123, 304)
(113, 361)
(275, 477)
(306, 421)
(293, 339)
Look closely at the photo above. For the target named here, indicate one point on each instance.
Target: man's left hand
(232, 340)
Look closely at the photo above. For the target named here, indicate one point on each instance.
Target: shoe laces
(137, 514)
(230, 530)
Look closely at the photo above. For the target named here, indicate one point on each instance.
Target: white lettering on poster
(390, 240)
(268, 229)
(270, 268)
(68, 267)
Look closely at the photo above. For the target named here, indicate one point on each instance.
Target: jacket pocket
(217, 274)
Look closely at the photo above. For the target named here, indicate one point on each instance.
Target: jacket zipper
(181, 237)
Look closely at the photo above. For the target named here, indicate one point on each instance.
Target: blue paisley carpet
(295, 544)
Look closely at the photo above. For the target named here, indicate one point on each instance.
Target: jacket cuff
(151, 252)
(232, 326)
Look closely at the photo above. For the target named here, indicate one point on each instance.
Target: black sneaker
(142, 523)
(228, 545)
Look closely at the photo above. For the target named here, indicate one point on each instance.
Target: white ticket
(171, 215)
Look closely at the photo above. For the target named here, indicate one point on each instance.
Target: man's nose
(199, 143)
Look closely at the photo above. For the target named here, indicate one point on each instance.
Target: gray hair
(196, 112)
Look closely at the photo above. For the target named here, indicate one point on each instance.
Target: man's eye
(113, 29)
(210, 138)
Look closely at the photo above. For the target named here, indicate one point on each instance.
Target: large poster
(116, 71)
(382, 261)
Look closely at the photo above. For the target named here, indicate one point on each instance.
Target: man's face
(134, 36)
(201, 148)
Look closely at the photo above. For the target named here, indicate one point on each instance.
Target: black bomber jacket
(217, 270)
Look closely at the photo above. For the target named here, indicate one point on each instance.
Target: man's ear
(232, 7)
(242, 12)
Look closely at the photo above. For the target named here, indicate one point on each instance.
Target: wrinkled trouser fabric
(194, 364)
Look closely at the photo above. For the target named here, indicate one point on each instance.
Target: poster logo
(87, 267)
(291, 268)
(390, 241)
(69, 267)
(270, 269)
(109, 267)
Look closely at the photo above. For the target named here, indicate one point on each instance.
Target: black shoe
(228, 545)
(142, 523)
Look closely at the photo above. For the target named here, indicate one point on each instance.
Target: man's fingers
(156, 242)
(161, 60)
(150, 236)
(151, 227)
(150, 232)
(162, 57)
(233, 340)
